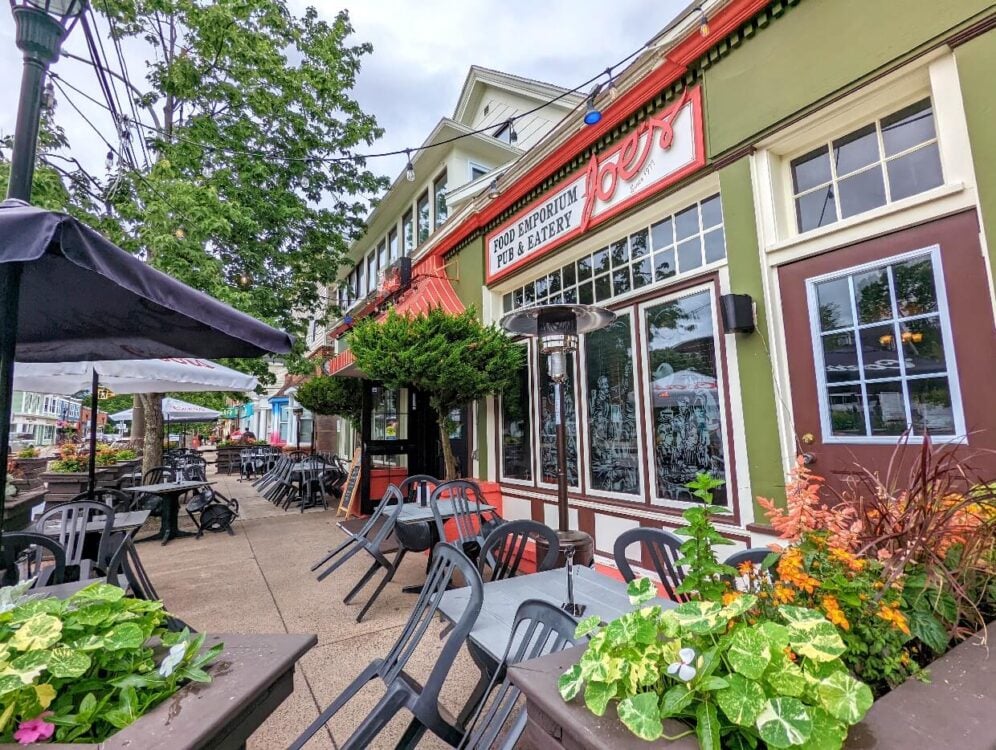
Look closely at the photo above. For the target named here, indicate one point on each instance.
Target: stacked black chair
(403, 692)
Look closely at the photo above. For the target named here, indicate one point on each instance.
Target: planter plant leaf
(80, 669)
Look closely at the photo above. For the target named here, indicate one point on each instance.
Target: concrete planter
(17, 511)
(253, 675)
(31, 469)
(956, 709)
(65, 486)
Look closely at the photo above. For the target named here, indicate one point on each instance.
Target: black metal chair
(546, 630)
(22, 555)
(403, 691)
(418, 487)
(122, 502)
(67, 524)
(467, 518)
(503, 550)
(215, 512)
(370, 538)
(149, 500)
(662, 547)
(756, 557)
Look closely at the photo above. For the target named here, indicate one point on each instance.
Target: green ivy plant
(90, 664)
(737, 683)
(703, 577)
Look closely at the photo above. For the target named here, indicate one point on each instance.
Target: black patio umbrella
(83, 298)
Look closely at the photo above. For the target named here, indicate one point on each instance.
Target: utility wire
(126, 76)
(362, 157)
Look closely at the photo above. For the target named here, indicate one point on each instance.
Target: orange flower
(853, 562)
(730, 596)
(790, 571)
(789, 653)
(746, 568)
(834, 613)
(894, 617)
(783, 594)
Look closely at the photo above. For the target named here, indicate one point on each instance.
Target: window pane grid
(648, 256)
(845, 160)
(889, 402)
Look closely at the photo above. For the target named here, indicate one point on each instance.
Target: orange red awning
(430, 288)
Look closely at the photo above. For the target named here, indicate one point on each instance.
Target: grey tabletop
(168, 487)
(122, 522)
(601, 595)
(417, 513)
(65, 590)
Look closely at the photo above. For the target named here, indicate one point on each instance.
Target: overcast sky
(422, 50)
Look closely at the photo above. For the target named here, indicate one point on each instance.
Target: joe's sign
(660, 151)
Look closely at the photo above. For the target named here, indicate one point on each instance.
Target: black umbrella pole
(10, 294)
(92, 469)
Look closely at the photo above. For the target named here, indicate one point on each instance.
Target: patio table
(129, 521)
(418, 513)
(602, 595)
(170, 492)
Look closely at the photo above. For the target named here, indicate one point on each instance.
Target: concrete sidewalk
(259, 582)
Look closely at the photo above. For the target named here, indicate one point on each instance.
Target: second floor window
(371, 272)
(382, 259)
(422, 214)
(408, 233)
(439, 193)
(392, 245)
(880, 163)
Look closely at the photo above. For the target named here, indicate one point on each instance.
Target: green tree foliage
(453, 359)
(329, 395)
(245, 105)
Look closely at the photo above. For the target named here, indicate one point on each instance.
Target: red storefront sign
(663, 149)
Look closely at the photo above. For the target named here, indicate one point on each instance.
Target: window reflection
(548, 425)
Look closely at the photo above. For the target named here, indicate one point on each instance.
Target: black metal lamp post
(42, 25)
(557, 327)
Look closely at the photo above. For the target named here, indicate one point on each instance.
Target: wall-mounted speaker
(737, 311)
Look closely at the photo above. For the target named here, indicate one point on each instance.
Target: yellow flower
(894, 617)
(834, 613)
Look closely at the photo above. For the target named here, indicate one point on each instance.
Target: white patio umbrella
(175, 410)
(133, 376)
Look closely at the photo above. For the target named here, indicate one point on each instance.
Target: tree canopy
(330, 395)
(453, 359)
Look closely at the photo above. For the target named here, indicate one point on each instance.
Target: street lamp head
(42, 25)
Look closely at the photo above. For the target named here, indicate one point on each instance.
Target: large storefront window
(548, 425)
(613, 448)
(685, 417)
(516, 446)
(884, 358)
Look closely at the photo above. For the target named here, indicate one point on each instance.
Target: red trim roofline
(724, 22)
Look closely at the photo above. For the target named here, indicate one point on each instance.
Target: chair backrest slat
(418, 487)
(71, 520)
(504, 549)
(466, 518)
(22, 556)
(663, 550)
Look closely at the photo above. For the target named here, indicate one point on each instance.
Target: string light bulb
(593, 114)
(109, 162)
(612, 90)
(513, 137)
(244, 280)
(48, 97)
(703, 21)
(493, 189)
(410, 169)
(180, 233)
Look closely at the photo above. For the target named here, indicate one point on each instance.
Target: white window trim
(472, 165)
(648, 422)
(637, 498)
(951, 371)
(530, 420)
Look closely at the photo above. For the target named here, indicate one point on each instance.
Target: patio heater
(42, 26)
(557, 327)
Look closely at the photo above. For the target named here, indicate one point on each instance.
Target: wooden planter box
(32, 468)
(62, 487)
(253, 675)
(228, 459)
(956, 709)
(17, 510)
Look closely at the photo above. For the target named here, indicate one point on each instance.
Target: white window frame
(881, 164)
(471, 166)
(584, 420)
(933, 252)
(531, 421)
(710, 288)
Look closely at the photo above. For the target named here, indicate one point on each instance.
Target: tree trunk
(153, 444)
(448, 457)
(137, 421)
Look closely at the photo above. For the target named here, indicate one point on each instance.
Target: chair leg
(380, 587)
(411, 736)
(477, 695)
(338, 563)
(344, 697)
(373, 724)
